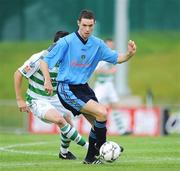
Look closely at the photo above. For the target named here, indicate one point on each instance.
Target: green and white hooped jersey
(103, 77)
(31, 70)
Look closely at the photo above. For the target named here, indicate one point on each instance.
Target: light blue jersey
(78, 59)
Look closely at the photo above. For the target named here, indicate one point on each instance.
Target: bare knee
(96, 110)
(60, 121)
(68, 119)
(54, 116)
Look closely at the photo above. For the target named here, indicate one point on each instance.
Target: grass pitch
(40, 152)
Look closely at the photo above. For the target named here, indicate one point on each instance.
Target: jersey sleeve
(108, 54)
(56, 53)
(31, 65)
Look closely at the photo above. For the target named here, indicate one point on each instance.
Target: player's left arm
(130, 52)
(47, 79)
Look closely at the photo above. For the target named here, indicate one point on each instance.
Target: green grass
(12, 56)
(15, 116)
(39, 153)
(11, 118)
(156, 66)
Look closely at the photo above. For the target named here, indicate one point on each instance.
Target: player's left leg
(98, 111)
(92, 136)
(78, 99)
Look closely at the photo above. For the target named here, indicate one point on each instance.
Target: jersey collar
(81, 39)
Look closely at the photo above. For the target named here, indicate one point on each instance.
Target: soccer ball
(110, 151)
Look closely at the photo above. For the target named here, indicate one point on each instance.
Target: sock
(92, 151)
(86, 146)
(100, 130)
(71, 133)
(65, 142)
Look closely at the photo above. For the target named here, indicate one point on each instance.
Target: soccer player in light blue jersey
(79, 53)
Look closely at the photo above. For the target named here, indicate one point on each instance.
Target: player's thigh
(57, 104)
(45, 111)
(54, 116)
(95, 109)
(64, 112)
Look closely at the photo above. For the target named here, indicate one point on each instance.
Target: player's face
(86, 27)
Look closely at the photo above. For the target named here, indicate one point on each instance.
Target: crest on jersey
(83, 57)
(26, 69)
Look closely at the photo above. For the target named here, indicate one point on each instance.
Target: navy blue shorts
(74, 97)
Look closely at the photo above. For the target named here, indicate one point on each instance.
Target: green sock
(71, 133)
(65, 142)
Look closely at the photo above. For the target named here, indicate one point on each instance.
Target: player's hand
(23, 106)
(131, 48)
(48, 87)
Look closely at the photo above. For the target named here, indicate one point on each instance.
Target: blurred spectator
(104, 85)
(105, 90)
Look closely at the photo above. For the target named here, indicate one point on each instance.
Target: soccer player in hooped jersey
(42, 105)
(79, 53)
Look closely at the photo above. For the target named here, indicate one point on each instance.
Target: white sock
(64, 150)
(86, 145)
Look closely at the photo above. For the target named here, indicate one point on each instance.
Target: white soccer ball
(110, 151)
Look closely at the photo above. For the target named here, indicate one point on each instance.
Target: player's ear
(78, 22)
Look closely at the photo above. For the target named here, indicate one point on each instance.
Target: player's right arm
(26, 70)
(18, 77)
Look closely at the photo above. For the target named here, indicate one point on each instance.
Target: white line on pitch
(26, 144)
(9, 148)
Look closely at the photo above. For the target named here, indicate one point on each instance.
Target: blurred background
(27, 26)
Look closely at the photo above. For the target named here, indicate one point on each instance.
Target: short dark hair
(60, 34)
(88, 14)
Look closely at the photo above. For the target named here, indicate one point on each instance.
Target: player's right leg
(48, 113)
(65, 142)
(67, 133)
